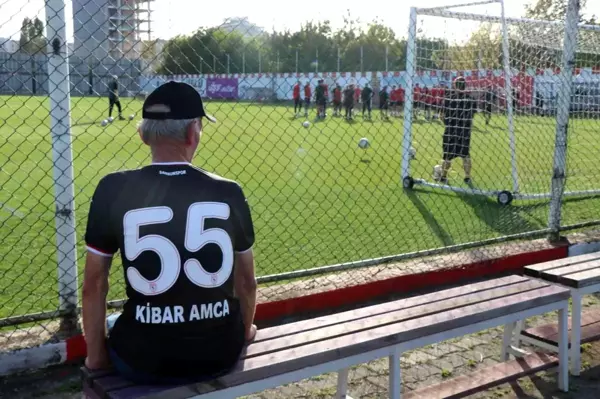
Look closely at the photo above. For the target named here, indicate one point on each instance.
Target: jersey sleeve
(99, 237)
(244, 228)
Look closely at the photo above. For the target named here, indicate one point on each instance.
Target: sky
(172, 17)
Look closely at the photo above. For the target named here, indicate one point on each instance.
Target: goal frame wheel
(505, 198)
(408, 183)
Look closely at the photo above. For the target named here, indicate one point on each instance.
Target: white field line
(12, 211)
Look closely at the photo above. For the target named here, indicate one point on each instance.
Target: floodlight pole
(509, 101)
(59, 88)
(408, 98)
(562, 119)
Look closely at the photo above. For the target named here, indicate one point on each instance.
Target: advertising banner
(222, 88)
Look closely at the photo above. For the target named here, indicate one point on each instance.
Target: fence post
(509, 101)
(62, 157)
(411, 49)
(562, 119)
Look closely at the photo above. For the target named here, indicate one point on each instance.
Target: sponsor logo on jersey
(175, 173)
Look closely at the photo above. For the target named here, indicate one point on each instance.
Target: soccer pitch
(316, 198)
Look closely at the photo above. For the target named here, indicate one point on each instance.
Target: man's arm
(245, 286)
(244, 280)
(95, 290)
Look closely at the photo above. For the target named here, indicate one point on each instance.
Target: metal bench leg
(342, 385)
(395, 378)
(507, 340)
(576, 333)
(517, 334)
(563, 349)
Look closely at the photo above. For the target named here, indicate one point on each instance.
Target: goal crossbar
(476, 3)
(444, 12)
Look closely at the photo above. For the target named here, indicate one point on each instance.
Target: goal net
(504, 121)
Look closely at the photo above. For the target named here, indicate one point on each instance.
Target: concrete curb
(73, 349)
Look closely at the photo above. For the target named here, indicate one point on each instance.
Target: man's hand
(97, 363)
(251, 333)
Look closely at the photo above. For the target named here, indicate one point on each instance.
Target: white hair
(153, 129)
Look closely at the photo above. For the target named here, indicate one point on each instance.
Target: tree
(545, 54)
(556, 10)
(210, 50)
(32, 40)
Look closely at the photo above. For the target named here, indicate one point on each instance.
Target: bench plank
(306, 337)
(486, 378)
(372, 339)
(369, 311)
(548, 333)
(582, 279)
(140, 391)
(110, 383)
(565, 271)
(548, 266)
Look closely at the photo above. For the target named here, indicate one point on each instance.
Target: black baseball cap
(175, 100)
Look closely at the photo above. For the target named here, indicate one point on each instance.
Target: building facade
(111, 28)
(8, 45)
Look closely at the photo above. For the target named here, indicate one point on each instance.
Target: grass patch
(314, 202)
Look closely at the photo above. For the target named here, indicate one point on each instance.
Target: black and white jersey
(459, 109)
(177, 228)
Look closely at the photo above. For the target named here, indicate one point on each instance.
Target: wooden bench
(581, 274)
(299, 350)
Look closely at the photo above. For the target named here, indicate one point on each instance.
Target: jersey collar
(170, 163)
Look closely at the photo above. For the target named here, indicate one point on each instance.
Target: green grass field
(314, 201)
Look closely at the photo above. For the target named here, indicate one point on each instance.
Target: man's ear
(193, 129)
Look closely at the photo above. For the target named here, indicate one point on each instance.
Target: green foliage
(32, 40)
(556, 10)
(206, 50)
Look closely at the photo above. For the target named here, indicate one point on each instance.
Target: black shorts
(393, 103)
(456, 143)
(337, 103)
(321, 101)
(307, 101)
(488, 108)
(297, 101)
(383, 105)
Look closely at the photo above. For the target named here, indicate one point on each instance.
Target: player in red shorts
(337, 100)
(416, 100)
(394, 101)
(297, 100)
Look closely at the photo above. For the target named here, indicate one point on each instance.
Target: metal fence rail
(327, 194)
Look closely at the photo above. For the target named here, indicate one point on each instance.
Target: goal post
(514, 72)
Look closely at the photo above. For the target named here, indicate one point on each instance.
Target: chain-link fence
(349, 177)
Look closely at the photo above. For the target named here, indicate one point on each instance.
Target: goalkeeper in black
(366, 97)
(113, 97)
(459, 109)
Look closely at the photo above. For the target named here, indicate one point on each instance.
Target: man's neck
(170, 157)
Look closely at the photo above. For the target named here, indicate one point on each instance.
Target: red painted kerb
(360, 293)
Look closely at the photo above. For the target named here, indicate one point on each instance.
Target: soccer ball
(437, 172)
(306, 124)
(131, 117)
(412, 152)
(104, 122)
(110, 119)
(363, 143)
